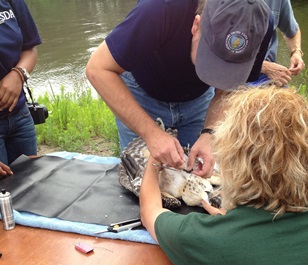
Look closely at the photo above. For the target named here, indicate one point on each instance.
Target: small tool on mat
(121, 226)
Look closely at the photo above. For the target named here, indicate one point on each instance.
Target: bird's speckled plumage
(175, 185)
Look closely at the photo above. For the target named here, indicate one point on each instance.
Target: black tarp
(72, 190)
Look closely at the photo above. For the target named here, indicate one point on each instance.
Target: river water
(72, 29)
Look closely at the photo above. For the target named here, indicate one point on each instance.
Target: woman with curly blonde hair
(261, 147)
(262, 150)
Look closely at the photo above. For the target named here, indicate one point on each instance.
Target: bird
(176, 185)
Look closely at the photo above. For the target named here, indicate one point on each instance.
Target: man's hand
(10, 88)
(202, 149)
(278, 73)
(11, 84)
(166, 149)
(296, 63)
(5, 170)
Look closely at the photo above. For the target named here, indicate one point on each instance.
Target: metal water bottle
(7, 210)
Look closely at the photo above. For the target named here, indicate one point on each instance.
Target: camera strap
(29, 93)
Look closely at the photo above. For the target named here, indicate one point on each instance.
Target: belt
(6, 115)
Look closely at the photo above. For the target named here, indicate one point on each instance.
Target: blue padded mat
(34, 220)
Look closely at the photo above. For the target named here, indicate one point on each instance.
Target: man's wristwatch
(22, 72)
(295, 50)
(25, 73)
(206, 130)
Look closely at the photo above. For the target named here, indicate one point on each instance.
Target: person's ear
(196, 25)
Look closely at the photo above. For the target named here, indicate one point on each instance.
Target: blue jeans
(187, 117)
(17, 136)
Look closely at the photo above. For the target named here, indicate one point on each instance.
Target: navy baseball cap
(231, 35)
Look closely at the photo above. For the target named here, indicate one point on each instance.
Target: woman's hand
(213, 210)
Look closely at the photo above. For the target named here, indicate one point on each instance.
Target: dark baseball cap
(231, 35)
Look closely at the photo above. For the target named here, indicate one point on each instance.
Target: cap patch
(236, 41)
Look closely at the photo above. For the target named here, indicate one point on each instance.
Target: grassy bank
(74, 120)
(303, 89)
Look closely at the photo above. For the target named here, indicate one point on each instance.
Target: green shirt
(244, 235)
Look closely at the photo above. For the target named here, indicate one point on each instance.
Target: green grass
(303, 87)
(75, 119)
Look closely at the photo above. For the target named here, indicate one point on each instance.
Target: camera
(38, 112)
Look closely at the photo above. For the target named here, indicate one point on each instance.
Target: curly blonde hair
(261, 147)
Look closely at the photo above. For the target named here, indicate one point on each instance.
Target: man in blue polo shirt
(152, 51)
(18, 57)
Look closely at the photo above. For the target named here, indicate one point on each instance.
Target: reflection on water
(72, 29)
